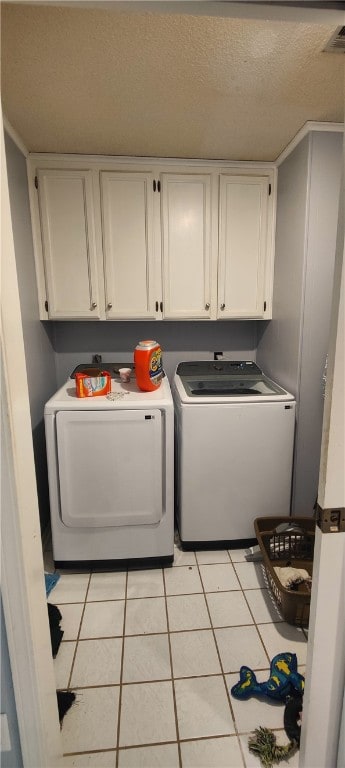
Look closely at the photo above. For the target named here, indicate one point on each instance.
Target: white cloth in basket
(289, 576)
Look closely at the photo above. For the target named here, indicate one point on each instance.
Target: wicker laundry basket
(294, 547)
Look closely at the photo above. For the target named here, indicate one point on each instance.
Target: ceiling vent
(337, 42)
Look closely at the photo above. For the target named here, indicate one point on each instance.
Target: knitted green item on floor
(263, 743)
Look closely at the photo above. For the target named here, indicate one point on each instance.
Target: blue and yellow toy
(284, 679)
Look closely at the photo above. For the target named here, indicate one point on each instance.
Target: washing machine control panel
(205, 368)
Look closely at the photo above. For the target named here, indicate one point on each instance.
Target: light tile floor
(152, 655)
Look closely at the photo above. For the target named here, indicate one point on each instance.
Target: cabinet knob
(207, 305)
(222, 306)
(109, 305)
(94, 305)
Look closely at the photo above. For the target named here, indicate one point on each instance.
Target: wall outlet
(220, 356)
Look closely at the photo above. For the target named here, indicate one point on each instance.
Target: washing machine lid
(122, 395)
(226, 381)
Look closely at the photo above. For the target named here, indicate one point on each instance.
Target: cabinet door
(127, 222)
(186, 245)
(242, 246)
(68, 243)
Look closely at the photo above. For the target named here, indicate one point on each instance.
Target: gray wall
(293, 347)
(326, 164)
(76, 342)
(279, 341)
(39, 352)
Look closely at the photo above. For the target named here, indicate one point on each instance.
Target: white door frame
(322, 725)
(22, 570)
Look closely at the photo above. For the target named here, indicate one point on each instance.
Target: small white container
(125, 374)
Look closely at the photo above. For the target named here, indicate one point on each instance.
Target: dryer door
(110, 467)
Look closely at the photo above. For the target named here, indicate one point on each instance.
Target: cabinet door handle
(207, 305)
(222, 306)
(109, 305)
(94, 305)
(156, 306)
(161, 306)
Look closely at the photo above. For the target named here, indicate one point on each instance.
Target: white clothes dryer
(234, 437)
(110, 471)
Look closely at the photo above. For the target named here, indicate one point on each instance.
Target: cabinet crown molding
(101, 161)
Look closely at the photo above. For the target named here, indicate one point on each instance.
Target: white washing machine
(234, 436)
(110, 469)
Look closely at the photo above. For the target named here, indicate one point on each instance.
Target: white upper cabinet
(186, 245)
(68, 242)
(127, 226)
(243, 246)
(125, 238)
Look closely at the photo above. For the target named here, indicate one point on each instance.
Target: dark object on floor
(56, 633)
(264, 745)
(284, 680)
(292, 717)
(65, 700)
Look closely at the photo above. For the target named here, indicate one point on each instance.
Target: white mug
(125, 374)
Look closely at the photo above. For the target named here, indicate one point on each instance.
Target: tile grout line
(220, 660)
(257, 628)
(78, 634)
(173, 631)
(172, 673)
(90, 752)
(121, 676)
(159, 679)
(252, 615)
(155, 597)
(149, 744)
(129, 747)
(260, 638)
(68, 687)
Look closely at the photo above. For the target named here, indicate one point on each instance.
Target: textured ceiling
(103, 81)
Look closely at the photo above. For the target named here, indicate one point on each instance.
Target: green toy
(264, 745)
